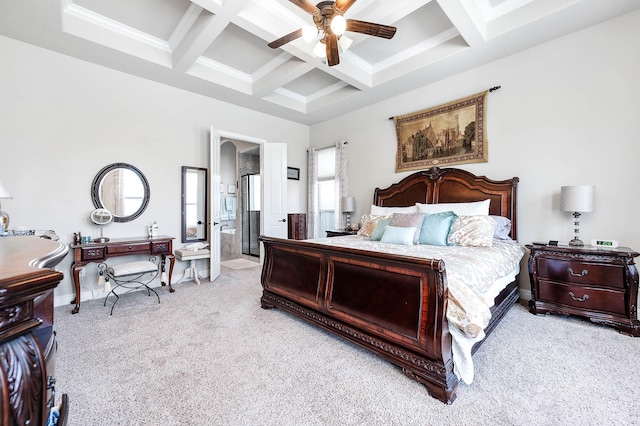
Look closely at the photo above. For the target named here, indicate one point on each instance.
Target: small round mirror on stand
(102, 218)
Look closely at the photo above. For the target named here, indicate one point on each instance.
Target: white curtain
(342, 183)
(312, 191)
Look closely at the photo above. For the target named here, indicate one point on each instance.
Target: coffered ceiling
(218, 48)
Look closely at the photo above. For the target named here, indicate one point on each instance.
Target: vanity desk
(84, 254)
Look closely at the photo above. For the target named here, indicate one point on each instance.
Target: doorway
(239, 200)
(272, 159)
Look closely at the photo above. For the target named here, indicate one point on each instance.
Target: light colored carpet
(239, 263)
(209, 355)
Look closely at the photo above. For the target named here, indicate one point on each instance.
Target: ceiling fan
(330, 24)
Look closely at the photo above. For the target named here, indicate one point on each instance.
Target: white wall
(62, 120)
(566, 114)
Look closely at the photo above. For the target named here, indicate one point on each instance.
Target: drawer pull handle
(581, 274)
(582, 299)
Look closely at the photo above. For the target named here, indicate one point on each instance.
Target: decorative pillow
(404, 220)
(398, 235)
(461, 209)
(503, 227)
(369, 223)
(435, 228)
(388, 211)
(473, 231)
(379, 230)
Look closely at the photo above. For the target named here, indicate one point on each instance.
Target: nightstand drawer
(582, 297)
(581, 272)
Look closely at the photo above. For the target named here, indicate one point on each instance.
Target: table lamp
(4, 217)
(348, 207)
(577, 199)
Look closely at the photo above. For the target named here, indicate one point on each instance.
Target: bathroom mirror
(121, 189)
(194, 204)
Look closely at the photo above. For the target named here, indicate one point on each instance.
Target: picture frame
(452, 133)
(293, 173)
(231, 189)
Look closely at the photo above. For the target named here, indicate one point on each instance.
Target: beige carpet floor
(240, 263)
(209, 355)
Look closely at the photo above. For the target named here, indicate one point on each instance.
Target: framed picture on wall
(293, 173)
(453, 133)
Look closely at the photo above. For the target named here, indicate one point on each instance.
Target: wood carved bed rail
(392, 305)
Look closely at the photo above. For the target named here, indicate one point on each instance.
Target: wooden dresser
(599, 284)
(27, 337)
(297, 229)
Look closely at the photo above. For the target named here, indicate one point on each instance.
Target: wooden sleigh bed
(392, 305)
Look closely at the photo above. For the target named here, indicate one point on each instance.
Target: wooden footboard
(394, 306)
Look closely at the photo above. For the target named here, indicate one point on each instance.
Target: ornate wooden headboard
(452, 185)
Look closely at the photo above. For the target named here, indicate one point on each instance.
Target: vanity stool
(192, 256)
(130, 276)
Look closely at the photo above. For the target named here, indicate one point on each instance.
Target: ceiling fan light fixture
(320, 50)
(309, 33)
(338, 25)
(344, 42)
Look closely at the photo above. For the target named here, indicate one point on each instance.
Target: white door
(273, 169)
(214, 207)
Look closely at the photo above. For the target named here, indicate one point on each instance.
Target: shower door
(251, 214)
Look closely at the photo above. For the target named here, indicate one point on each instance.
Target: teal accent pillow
(399, 235)
(376, 235)
(435, 228)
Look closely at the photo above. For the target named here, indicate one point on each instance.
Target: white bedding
(475, 276)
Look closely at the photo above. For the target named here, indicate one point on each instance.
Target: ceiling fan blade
(332, 50)
(344, 5)
(369, 28)
(306, 5)
(285, 39)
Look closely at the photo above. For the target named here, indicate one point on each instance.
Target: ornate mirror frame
(97, 196)
(195, 204)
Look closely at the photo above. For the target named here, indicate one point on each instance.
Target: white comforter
(471, 275)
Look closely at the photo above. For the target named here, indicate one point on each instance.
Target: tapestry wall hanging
(453, 133)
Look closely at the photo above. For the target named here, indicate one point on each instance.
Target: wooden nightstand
(599, 284)
(339, 232)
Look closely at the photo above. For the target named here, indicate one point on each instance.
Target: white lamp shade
(348, 204)
(4, 193)
(578, 198)
(309, 33)
(320, 50)
(338, 25)
(344, 43)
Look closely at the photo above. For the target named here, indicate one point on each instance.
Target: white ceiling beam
(99, 29)
(184, 26)
(204, 31)
(467, 18)
(278, 73)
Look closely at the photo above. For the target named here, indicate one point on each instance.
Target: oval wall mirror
(122, 189)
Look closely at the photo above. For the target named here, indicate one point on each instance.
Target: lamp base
(4, 221)
(576, 243)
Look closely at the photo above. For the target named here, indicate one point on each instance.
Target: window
(326, 189)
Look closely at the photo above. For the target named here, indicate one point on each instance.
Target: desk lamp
(577, 199)
(4, 217)
(348, 207)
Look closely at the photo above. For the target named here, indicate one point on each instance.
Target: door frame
(216, 137)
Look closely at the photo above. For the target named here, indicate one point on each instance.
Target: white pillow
(474, 208)
(388, 211)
